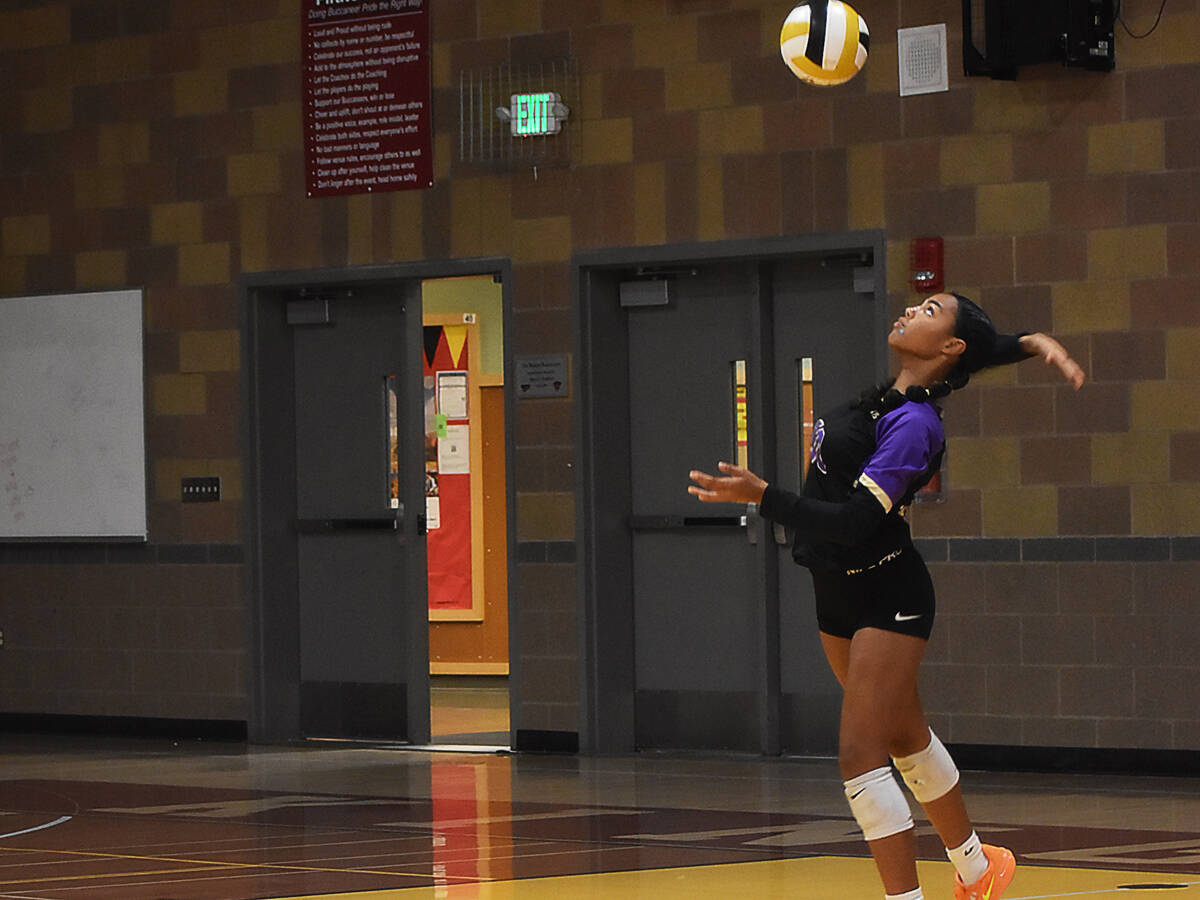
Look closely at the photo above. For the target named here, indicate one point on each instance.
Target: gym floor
(151, 818)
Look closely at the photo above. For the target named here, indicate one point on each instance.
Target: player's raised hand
(733, 485)
(1054, 354)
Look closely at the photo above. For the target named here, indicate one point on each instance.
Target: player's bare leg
(878, 672)
(911, 735)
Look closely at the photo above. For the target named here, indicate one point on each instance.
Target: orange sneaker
(991, 884)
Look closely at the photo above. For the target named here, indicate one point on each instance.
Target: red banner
(367, 124)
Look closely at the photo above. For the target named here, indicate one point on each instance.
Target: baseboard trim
(1091, 760)
(1067, 548)
(533, 741)
(468, 668)
(124, 726)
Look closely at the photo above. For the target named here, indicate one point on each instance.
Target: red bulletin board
(448, 545)
(367, 125)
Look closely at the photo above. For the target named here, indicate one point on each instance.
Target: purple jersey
(906, 441)
(858, 446)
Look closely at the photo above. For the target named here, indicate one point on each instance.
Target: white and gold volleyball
(824, 42)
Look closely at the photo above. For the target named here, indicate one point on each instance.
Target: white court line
(57, 821)
(1111, 890)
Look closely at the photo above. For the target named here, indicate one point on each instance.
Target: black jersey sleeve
(1008, 350)
(825, 521)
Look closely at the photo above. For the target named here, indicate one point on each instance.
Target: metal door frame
(605, 583)
(273, 665)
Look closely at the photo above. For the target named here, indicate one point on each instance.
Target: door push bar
(324, 526)
(750, 521)
(393, 522)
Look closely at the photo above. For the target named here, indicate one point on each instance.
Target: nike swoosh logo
(900, 618)
(854, 796)
(988, 894)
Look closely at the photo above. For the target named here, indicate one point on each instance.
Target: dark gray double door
(724, 648)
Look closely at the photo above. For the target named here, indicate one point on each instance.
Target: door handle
(349, 523)
(751, 521)
(674, 523)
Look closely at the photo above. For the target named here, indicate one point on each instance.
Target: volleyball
(824, 42)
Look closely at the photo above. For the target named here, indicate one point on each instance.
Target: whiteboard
(72, 417)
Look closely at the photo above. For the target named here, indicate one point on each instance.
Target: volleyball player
(874, 596)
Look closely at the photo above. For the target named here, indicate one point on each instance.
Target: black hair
(974, 327)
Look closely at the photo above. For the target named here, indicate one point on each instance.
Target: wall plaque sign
(367, 124)
(542, 376)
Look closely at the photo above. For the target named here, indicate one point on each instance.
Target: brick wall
(157, 143)
(1079, 653)
(123, 636)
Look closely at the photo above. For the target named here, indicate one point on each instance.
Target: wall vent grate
(922, 58)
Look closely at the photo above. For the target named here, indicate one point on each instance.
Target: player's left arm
(1054, 354)
(1013, 348)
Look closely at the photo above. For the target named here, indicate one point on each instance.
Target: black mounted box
(999, 36)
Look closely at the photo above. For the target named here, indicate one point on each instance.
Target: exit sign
(536, 114)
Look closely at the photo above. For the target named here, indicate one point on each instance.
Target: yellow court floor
(816, 878)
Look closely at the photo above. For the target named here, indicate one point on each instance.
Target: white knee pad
(929, 773)
(878, 804)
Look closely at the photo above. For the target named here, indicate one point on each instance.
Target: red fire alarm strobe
(926, 265)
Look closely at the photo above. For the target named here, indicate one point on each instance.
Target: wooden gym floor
(84, 818)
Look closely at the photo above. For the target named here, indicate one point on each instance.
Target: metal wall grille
(484, 138)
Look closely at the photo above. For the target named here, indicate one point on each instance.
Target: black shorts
(894, 595)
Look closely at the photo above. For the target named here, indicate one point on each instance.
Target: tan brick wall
(169, 155)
